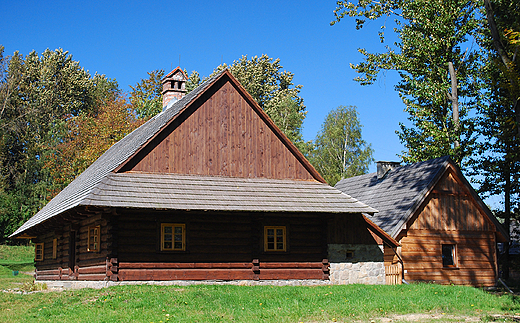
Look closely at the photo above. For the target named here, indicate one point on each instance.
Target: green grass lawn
(226, 303)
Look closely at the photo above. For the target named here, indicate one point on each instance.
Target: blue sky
(126, 39)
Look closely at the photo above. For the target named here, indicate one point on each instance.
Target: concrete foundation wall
(356, 264)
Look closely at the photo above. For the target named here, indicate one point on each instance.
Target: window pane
(270, 246)
(167, 237)
(270, 232)
(270, 239)
(167, 229)
(279, 246)
(447, 255)
(279, 232)
(279, 239)
(178, 229)
(178, 245)
(178, 237)
(167, 245)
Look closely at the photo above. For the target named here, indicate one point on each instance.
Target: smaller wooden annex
(208, 189)
(447, 235)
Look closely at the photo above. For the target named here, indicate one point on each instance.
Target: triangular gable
(222, 133)
(452, 204)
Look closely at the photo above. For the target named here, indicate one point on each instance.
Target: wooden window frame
(453, 255)
(284, 235)
(96, 237)
(183, 235)
(39, 250)
(55, 248)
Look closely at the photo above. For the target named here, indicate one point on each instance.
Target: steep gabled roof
(401, 191)
(94, 182)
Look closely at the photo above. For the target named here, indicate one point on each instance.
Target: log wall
(219, 237)
(73, 261)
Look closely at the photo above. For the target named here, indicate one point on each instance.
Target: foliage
(339, 151)
(193, 81)
(87, 138)
(497, 164)
(431, 39)
(36, 93)
(214, 303)
(273, 89)
(146, 96)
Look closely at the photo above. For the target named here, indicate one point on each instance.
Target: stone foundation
(356, 264)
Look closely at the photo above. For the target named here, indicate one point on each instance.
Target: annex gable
(451, 207)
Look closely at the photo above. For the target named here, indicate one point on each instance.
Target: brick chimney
(174, 86)
(383, 167)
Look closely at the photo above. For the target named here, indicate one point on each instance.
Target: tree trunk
(454, 102)
(507, 220)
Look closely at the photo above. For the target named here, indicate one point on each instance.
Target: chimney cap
(383, 167)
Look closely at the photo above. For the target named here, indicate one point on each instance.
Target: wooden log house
(447, 235)
(208, 189)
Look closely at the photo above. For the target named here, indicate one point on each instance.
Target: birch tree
(339, 150)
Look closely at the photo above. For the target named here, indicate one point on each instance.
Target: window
(449, 255)
(38, 251)
(54, 248)
(274, 239)
(173, 236)
(93, 239)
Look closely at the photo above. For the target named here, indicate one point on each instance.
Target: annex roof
(402, 190)
(96, 184)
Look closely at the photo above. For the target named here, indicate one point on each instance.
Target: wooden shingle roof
(402, 190)
(197, 192)
(102, 185)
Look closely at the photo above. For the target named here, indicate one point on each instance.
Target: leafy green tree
(146, 96)
(339, 150)
(497, 163)
(502, 20)
(36, 94)
(193, 81)
(438, 84)
(87, 138)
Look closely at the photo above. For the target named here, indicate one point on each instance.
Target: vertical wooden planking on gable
(222, 125)
(211, 160)
(166, 154)
(250, 150)
(241, 156)
(234, 152)
(260, 147)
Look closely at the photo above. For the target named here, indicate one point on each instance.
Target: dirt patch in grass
(439, 317)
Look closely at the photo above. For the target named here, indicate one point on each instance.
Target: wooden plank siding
(449, 215)
(223, 136)
(350, 229)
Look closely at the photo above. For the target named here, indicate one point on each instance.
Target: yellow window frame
(173, 237)
(274, 243)
(94, 238)
(38, 251)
